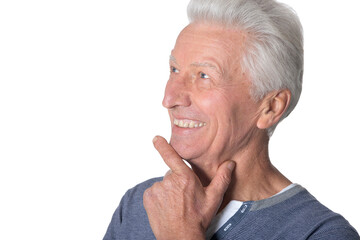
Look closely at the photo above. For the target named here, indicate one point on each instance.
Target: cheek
(215, 104)
(227, 106)
(227, 110)
(203, 84)
(206, 99)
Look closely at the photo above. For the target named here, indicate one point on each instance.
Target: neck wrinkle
(254, 177)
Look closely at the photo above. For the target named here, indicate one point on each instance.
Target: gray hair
(274, 55)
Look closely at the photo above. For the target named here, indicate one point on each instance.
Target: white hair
(274, 55)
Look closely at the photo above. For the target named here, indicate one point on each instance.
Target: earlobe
(273, 107)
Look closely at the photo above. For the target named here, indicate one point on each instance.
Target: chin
(186, 152)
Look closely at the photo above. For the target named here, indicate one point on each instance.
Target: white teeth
(188, 123)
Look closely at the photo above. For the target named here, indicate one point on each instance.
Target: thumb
(219, 184)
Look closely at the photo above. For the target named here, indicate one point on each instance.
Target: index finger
(169, 155)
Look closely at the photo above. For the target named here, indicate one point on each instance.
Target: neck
(254, 177)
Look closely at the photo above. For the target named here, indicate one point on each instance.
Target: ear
(273, 107)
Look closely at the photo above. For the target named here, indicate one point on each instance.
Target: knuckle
(147, 194)
(151, 194)
(155, 188)
(168, 183)
(225, 179)
(186, 181)
(151, 191)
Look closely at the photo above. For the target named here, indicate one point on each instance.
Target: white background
(81, 84)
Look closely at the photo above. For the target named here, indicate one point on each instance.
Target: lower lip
(184, 131)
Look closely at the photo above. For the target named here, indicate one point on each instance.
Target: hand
(179, 207)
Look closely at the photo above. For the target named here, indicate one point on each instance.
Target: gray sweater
(294, 214)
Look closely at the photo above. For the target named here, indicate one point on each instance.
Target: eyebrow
(195, 64)
(173, 59)
(204, 64)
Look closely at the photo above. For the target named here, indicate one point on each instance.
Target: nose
(176, 94)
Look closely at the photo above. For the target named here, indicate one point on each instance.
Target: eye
(174, 69)
(203, 75)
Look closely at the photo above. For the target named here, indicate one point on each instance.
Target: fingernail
(155, 139)
(231, 165)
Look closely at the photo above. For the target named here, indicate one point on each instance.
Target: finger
(220, 183)
(169, 155)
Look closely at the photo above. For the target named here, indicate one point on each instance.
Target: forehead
(201, 40)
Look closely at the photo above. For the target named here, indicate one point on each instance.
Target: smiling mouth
(188, 123)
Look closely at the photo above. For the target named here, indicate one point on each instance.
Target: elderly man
(235, 73)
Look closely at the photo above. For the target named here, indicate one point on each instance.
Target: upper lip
(186, 117)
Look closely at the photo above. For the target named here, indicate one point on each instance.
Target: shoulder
(328, 224)
(296, 213)
(320, 221)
